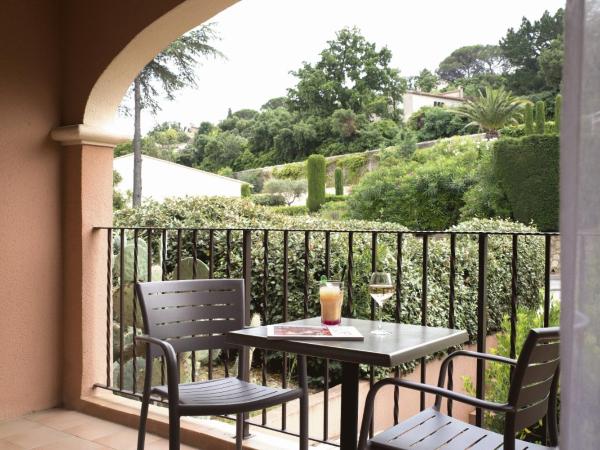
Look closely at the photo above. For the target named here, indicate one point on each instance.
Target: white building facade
(413, 101)
(164, 179)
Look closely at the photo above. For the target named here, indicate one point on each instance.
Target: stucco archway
(111, 86)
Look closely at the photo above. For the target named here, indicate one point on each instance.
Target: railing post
(247, 275)
(482, 313)
(247, 271)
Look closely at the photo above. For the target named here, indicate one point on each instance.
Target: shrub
(527, 169)
(269, 199)
(293, 171)
(540, 117)
(425, 192)
(291, 190)
(339, 181)
(354, 167)
(334, 210)
(528, 119)
(514, 131)
(299, 210)
(246, 190)
(485, 198)
(315, 170)
(219, 212)
(334, 198)
(255, 177)
(432, 123)
(557, 111)
(497, 375)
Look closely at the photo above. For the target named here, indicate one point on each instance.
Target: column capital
(87, 134)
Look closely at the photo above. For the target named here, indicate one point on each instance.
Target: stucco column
(86, 203)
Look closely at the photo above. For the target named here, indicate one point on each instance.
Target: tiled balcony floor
(59, 429)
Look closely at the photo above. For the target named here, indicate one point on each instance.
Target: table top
(405, 343)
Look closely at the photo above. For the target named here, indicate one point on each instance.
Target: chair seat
(431, 429)
(227, 396)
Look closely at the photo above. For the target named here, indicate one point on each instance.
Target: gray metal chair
(184, 316)
(532, 396)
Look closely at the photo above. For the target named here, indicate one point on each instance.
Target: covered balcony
(71, 374)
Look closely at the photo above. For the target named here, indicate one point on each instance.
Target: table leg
(349, 425)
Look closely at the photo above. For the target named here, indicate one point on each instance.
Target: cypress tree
(246, 190)
(339, 181)
(557, 112)
(315, 172)
(540, 117)
(528, 119)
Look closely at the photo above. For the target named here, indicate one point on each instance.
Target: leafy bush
(515, 131)
(299, 210)
(540, 117)
(335, 210)
(246, 190)
(425, 192)
(269, 199)
(339, 181)
(219, 212)
(315, 171)
(432, 123)
(255, 177)
(334, 198)
(497, 375)
(528, 120)
(557, 111)
(353, 166)
(293, 171)
(485, 198)
(527, 169)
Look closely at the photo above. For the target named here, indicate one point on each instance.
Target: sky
(263, 40)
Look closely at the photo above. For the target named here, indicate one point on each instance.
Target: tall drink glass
(331, 296)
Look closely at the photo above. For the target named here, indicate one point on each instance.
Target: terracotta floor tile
(94, 429)
(34, 438)
(73, 443)
(16, 426)
(163, 444)
(124, 440)
(59, 419)
(8, 446)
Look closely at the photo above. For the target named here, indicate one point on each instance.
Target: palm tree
(492, 110)
(170, 70)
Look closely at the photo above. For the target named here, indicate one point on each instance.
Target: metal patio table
(405, 343)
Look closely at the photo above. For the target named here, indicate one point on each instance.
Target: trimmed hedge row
(528, 172)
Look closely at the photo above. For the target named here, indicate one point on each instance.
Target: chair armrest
(369, 403)
(486, 356)
(171, 359)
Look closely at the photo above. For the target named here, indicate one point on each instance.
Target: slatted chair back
(192, 314)
(535, 380)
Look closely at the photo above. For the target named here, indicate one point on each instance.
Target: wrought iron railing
(139, 254)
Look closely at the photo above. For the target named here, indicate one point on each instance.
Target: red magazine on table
(318, 332)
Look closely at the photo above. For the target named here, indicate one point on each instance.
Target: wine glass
(381, 288)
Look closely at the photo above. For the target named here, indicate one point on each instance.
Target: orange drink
(331, 296)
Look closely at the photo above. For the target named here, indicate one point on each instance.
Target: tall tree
(524, 46)
(350, 74)
(471, 61)
(426, 81)
(171, 70)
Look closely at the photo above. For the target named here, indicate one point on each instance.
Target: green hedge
(316, 174)
(206, 212)
(268, 199)
(528, 171)
(291, 210)
(334, 198)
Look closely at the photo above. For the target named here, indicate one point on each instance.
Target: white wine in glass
(381, 288)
